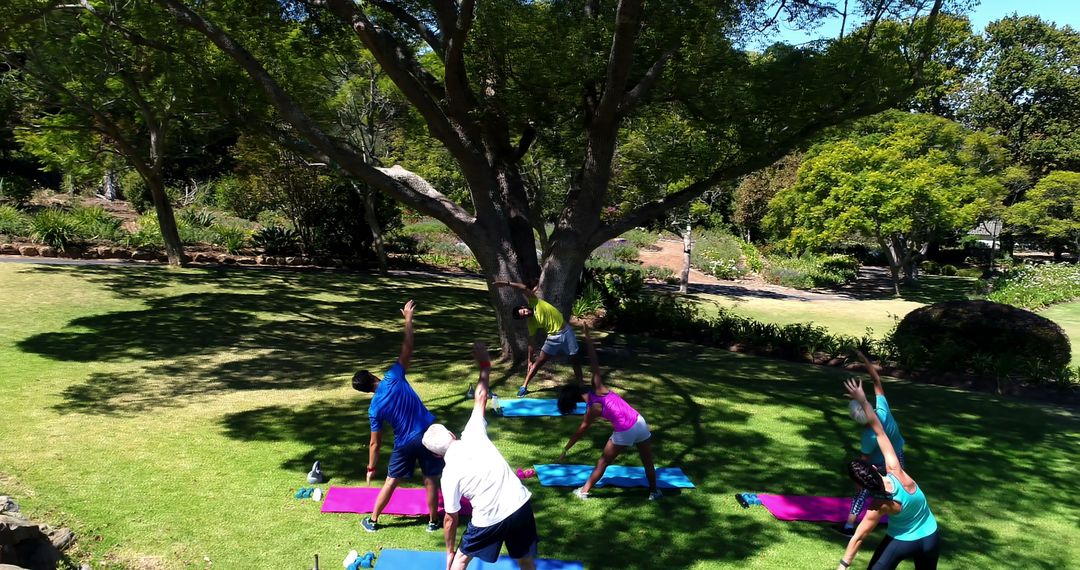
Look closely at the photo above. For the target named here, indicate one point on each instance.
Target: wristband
(844, 564)
(484, 364)
(370, 469)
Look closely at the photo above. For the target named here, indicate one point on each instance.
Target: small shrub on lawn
(231, 237)
(276, 240)
(719, 254)
(640, 238)
(588, 302)
(54, 227)
(95, 224)
(13, 222)
(665, 274)
(973, 272)
(809, 271)
(930, 267)
(949, 270)
(1037, 286)
(147, 233)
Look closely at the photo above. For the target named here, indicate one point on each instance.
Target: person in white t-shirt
(477, 471)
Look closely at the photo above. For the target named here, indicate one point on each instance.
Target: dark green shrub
(197, 218)
(17, 189)
(276, 240)
(665, 274)
(231, 237)
(662, 315)
(54, 227)
(134, 188)
(808, 270)
(640, 238)
(930, 267)
(588, 302)
(979, 336)
(974, 272)
(948, 270)
(618, 284)
(13, 222)
(95, 224)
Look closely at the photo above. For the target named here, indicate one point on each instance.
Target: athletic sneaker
(580, 493)
(522, 391)
(656, 495)
(369, 525)
(433, 526)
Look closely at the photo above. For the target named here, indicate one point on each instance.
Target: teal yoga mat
(557, 475)
(423, 560)
(531, 407)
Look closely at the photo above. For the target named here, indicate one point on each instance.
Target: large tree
(1051, 211)
(901, 179)
(490, 77)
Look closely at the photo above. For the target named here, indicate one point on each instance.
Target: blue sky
(1062, 12)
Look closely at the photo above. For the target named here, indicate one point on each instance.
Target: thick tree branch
(129, 35)
(620, 59)
(641, 91)
(430, 37)
(423, 197)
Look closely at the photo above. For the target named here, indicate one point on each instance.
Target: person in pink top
(630, 426)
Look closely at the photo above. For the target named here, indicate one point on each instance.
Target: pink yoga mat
(801, 508)
(411, 501)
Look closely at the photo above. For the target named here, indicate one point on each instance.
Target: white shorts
(637, 433)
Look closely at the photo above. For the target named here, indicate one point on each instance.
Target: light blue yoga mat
(525, 407)
(423, 560)
(558, 475)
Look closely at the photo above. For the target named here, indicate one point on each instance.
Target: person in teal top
(870, 450)
(542, 316)
(913, 530)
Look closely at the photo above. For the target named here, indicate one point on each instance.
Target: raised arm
(594, 362)
(529, 291)
(407, 344)
(855, 390)
(872, 371)
(483, 360)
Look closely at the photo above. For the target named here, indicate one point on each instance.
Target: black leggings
(891, 551)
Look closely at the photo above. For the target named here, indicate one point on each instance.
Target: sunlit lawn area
(169, 416)
(1068, 316)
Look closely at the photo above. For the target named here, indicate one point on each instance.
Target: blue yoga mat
(523, 407)
(423, 560)
(558, 475)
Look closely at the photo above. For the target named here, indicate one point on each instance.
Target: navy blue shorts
(403, 460)
(518, 531)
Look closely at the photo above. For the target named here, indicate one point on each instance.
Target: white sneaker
(580, 493)
(656, 495)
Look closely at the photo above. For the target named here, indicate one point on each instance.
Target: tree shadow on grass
(289, 331)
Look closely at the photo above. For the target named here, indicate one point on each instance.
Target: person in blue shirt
(913, 530)
(395, 402)
(871, 452)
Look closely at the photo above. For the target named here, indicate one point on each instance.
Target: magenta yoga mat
(806, 508)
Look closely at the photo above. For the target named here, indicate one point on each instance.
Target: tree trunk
(376, 229)
(684, 283)
(166, 221)
(888, 246)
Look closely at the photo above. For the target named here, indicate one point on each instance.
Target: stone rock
(47, 251)
(143, 255)
(8, 249)
(28, 250)
(226, 259)
(246, 260)
(266, 260)
(203, 257)
(293, 261)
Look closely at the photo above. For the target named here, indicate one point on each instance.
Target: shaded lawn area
(1068, 316)
(170, 415)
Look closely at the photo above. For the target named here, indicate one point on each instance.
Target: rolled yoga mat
(411, 501)
(533, 407)
(423, 560)
(558, 475)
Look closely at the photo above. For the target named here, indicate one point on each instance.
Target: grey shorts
(561, 343)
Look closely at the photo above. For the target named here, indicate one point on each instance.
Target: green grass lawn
(1068, 316)
(168, 416)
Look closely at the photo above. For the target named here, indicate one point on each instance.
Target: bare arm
(872, 371)
(590, 415)
(855, 390)
(483, 360)
(529, 291)
(594, 362)
(373, 454)
(450, 524)
(407, 344)
(866, 526)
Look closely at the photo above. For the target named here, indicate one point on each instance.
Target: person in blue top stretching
(871, 453)
(396, 402)
(913, 530)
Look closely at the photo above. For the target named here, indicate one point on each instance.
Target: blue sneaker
(522, 391)
(434, 526)
(369, 525)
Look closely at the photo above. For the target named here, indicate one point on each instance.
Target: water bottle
(317, 495)
(495, 404)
